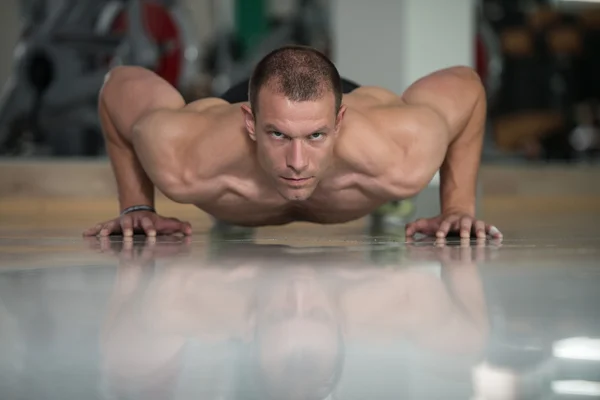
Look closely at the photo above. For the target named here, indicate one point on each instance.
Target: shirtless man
(301, 149)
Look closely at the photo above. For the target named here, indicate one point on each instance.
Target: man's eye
(317, 135)
(277, 134)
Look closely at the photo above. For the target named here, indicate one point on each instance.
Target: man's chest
(251, 203)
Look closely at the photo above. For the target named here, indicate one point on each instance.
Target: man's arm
(129, 94)
(457, 96)
(147, 141)
(155, 139)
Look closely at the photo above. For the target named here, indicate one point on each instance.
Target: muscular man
(300, 149)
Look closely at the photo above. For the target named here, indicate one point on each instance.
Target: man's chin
(293, 194)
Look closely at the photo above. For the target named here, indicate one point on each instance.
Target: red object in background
(164, 31)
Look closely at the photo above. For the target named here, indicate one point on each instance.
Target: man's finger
(168, 226)
(466, 225)
(127, 225)
(443, 229)
(480, 229)
(446, 226)
(494, 232)
(419, 226)
(409, 230)
(93, 231)
(184, 228)
(108, 228)
(148, 226)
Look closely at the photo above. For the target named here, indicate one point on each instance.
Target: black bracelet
(137, 208)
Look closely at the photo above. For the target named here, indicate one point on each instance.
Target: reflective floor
(299, 317)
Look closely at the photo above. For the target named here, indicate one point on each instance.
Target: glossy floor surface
(300, 316)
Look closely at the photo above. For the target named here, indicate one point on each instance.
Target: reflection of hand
(131, 251)
(445, 252)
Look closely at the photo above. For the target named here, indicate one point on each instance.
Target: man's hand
(146, 222)
(453, 223)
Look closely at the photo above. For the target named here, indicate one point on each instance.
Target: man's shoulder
(373, 96)
(210, 135)
(389, 143)
(207, 103)
(379, 112)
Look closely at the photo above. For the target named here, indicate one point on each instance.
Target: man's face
(295, 140)
(297, 333)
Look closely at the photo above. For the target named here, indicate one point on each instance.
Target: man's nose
(296, 157)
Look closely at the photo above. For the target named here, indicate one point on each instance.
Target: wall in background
(436, 34)
(392, 43)
(367, 45)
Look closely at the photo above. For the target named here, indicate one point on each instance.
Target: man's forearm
(458, 174)
(133, 185)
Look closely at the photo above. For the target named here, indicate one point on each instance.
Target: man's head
(294, 116)
(298, 335)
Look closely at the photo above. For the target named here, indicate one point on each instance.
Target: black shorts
(239, 93)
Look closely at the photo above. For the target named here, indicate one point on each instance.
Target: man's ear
(249, 120)
(339, 118)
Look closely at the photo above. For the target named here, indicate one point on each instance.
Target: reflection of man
(298, 333)
(294, 322)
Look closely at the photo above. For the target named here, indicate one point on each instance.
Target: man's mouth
(295, 181)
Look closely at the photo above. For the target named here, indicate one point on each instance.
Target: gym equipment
(228, 64)
(64, 54)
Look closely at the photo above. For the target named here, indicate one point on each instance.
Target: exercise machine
(61, 60)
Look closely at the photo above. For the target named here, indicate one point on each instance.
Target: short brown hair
(300, 73)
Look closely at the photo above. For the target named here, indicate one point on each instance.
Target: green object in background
(251, 22)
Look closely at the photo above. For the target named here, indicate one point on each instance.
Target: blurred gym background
(539, 60)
